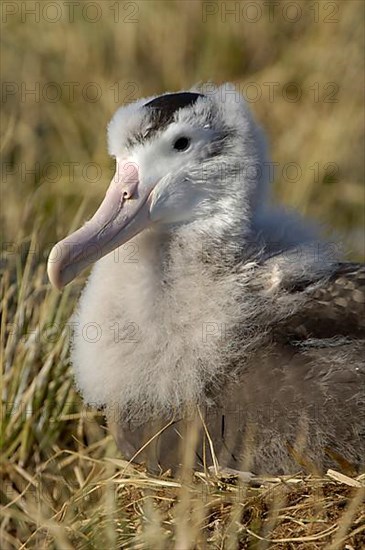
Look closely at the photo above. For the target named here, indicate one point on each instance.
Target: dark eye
(181, 144)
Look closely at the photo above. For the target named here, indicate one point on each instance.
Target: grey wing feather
(333, 308)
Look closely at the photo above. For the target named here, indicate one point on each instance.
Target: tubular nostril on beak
(129, 190)
(126, 180)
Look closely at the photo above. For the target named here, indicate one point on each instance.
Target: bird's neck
(187, 249)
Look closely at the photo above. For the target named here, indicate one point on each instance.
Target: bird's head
(194, 157)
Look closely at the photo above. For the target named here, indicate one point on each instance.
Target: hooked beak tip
(55, 269)
(54, 275)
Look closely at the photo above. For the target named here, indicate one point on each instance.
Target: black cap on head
(173, 102)
(166, 105)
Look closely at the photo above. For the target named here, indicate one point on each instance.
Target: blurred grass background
(149, 47)
(62, 485)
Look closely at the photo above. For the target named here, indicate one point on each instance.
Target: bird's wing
(333, 307)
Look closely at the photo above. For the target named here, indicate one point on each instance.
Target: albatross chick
(206, 295)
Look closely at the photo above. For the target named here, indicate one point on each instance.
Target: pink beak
(123, 214)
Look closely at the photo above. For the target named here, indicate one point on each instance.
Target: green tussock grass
(64, 484)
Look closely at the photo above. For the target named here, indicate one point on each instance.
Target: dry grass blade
(342, 478)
